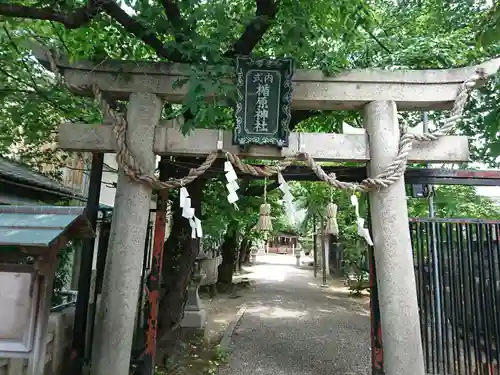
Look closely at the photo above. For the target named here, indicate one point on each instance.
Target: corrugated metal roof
(37, 226)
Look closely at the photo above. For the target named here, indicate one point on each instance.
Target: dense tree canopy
(324, 34)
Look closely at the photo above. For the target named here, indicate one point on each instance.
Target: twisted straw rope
(392, 173)
(128, 162)
(124, 157)
(266, 171)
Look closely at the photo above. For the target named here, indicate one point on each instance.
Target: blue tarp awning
(39, 226)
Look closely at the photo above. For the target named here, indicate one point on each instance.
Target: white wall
(109, 177)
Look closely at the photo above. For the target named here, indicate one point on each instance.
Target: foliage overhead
(218, 213)
(456, 202)
(328, 35)
(449, 202)
(489, 29)
(324, 34)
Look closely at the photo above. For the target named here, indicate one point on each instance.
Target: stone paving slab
(292, 326)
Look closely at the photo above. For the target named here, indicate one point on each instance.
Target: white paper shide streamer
(362, 231)
(232, 185)
(287, 195)
(188, 213)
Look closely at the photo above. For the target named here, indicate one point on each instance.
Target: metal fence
(69, 300)
(458, 285)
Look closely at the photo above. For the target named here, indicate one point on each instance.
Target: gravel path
(294, 327)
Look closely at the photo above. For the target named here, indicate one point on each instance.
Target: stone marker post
(392, 249)
(296, 252)
(116, 316)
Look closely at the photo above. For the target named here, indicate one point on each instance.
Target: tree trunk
(228, 249)
(248, 251)
(178, 263)
(241, 250)
(245, 246)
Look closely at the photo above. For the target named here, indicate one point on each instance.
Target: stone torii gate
(379, 94)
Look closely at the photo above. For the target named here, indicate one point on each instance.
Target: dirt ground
(222, 309)
(198, 351)
(293, 325)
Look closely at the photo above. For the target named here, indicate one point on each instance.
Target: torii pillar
(116, 316)
(396, 283)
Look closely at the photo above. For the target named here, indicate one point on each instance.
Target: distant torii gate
(378, 93)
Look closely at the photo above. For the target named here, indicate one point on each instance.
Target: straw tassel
(264, 224)
(331, 219)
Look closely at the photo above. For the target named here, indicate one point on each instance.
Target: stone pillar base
(194, 319)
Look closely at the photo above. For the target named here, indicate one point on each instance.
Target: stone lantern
(195, 315)
(254, 251)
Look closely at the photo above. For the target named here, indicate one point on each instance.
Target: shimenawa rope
(124, 157)
(392, 173)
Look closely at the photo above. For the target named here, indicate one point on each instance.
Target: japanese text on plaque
(265, 89)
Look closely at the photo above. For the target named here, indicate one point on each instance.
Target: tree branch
(134, 27)
(378, 41)
(173, 13)
(74, 20)
(184, 33)
(34, 84)
(61, 39)
(39, 92)
(255, 30)
(83, 15)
